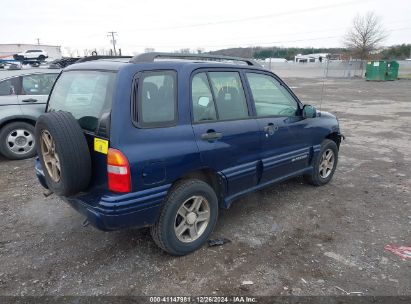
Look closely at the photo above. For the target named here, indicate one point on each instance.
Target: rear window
(85, 94)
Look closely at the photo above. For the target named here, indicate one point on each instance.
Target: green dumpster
(392, 70)
(381, 70)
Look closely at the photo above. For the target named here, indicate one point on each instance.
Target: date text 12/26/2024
(203, 299)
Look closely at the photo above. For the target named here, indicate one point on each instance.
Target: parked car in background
(23, 97)
(31, 55)
(166, 143)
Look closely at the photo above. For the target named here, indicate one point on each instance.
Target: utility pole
(111, 34)
(38, 41)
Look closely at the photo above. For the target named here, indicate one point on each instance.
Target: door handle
(270, 128)
(211, 135)
(29, 100)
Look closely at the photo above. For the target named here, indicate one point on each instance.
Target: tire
(68, 168)
(42, 57)
(318, 178)
(164, 232)
(18, 57)
(17, 140)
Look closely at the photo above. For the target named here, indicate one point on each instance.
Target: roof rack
(150, 57)
(90, 58)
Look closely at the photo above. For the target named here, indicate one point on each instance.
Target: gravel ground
(292, 238)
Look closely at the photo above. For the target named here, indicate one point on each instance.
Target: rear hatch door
(87, 95)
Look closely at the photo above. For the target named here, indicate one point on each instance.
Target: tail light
(118, 170)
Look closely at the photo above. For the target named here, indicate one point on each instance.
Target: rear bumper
(109, 211)
(115, 220)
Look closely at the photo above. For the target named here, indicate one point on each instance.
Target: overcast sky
(170, 25)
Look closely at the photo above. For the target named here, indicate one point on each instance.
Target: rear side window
(85, 94)
(202, 98)
(9, 86)
(156, 99)
(229, 95)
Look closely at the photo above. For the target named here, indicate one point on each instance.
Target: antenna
(325, 75)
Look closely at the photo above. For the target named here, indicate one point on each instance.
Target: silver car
(23, 98)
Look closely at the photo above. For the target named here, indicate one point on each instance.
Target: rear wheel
(17, 140)
(41, 57)
(187, 218)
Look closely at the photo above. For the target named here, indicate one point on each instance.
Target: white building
(8, 50)
(317, 57)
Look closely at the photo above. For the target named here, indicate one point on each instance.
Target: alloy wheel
(326, 163)
(192, 219)
(50, 156)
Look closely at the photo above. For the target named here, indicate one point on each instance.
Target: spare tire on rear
(63, 152)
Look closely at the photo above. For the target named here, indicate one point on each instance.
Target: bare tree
(365, 35)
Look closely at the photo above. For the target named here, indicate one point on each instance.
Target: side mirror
(309, 111)
(203, 101)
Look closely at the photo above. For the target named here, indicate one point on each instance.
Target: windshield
(85, 94)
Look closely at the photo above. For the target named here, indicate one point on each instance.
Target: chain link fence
(331, 69)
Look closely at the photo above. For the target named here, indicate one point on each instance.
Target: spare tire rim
(50, 156)
(20, 141)
(327, 163)
(192, 219)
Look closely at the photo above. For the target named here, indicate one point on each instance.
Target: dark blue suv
(165, 140)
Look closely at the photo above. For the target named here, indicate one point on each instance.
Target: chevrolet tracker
(165, 140)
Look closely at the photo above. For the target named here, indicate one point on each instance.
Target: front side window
(9, 87)
(157, 98)
(85, 94)
(202, 99)
(38, 84)
(270, 97)
(229, 95)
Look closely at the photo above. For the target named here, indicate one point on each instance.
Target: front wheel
(324, 164)
(187, 219)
